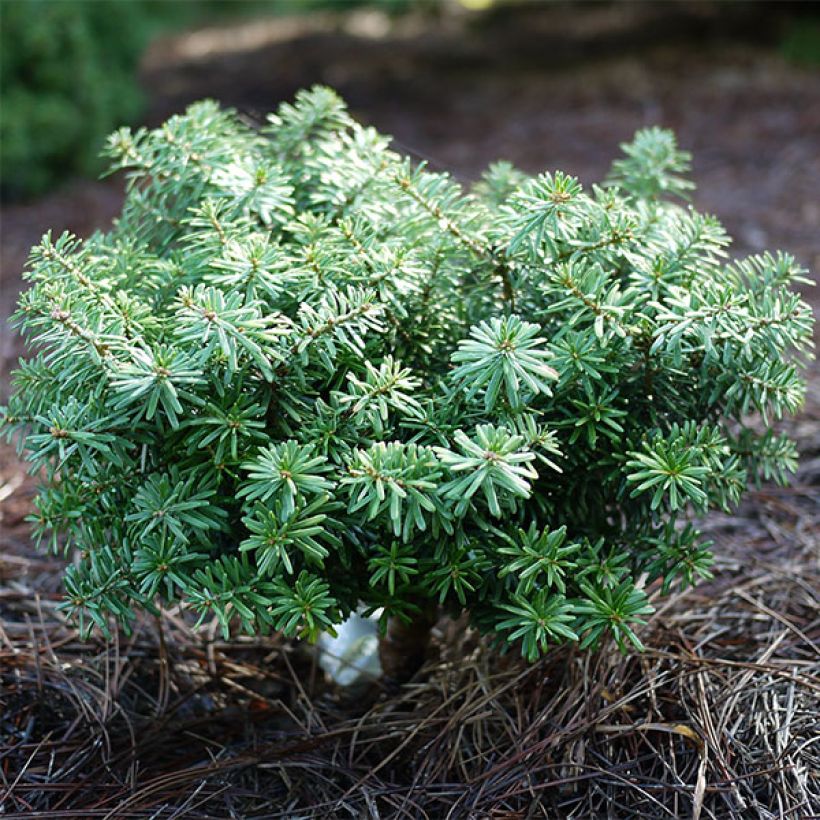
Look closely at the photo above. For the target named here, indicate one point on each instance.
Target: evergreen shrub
(303, 374)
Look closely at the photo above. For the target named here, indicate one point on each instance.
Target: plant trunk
(403, 648)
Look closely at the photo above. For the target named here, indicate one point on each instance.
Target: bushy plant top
(303, 373)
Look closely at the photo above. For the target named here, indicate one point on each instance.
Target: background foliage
(67, 73)
(68, 76)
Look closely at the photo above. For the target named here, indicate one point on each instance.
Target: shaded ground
(718, 719)
(547, 91)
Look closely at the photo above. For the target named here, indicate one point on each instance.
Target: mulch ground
(718, 719)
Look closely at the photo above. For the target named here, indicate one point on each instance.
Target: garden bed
(717, 719)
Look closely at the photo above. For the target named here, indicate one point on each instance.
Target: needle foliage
(303, 374)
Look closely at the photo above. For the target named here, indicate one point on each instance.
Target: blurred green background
(68, 74)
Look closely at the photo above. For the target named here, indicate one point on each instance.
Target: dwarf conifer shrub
(303, 374)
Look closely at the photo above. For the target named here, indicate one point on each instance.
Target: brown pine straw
(719, 718)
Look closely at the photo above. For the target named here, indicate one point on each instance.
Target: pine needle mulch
(719, 718)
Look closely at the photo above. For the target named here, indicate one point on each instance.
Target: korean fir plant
(303, 374)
